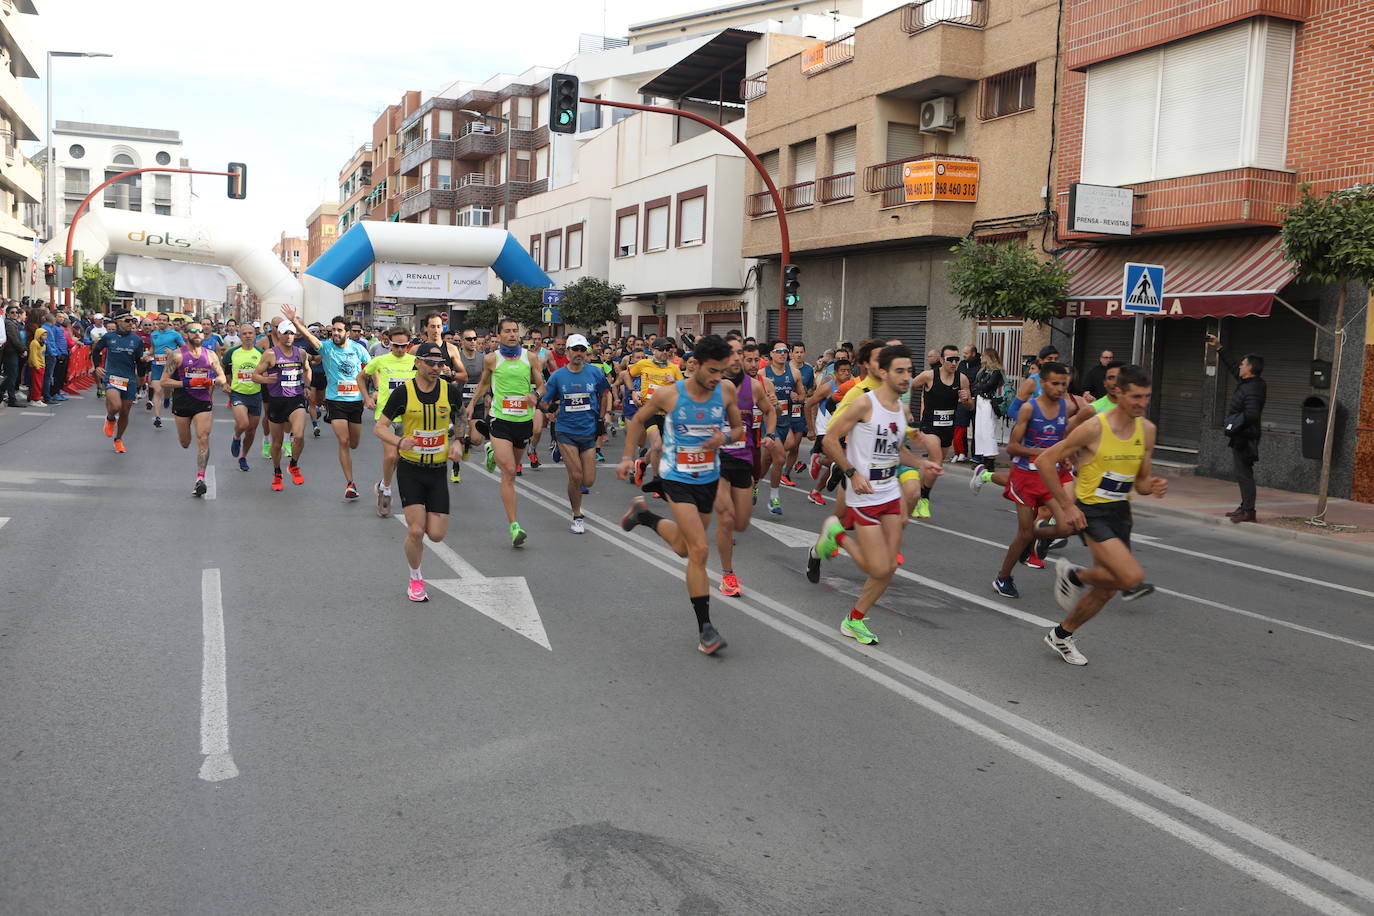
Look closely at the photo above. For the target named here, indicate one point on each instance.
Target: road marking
(214, 692)
(209, 482)
(1154, 542)
(787, 535)
(860, 662)
(505, 599)
(3, 521)
(101, 416)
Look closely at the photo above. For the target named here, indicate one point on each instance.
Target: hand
(718, 438)
(811, 435)
(406, 443)
(622, 470)
(455, 451)
(931, 467)
(858, 484)
(774, 447)
(1213, 342)
(1158, 487)
(370, 402)
(289, 313)
(100, 373)
(1073, 517)
(225, 384)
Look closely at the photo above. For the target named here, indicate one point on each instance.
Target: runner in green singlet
(389, 372)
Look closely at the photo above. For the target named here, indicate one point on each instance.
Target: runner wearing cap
(389, 372)
(653, 373)
(424, 408)
(582, 397)
(192, 372)
(123, 352)
(285, 371)
(454, 369)
(346, 394)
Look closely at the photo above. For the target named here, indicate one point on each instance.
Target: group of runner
(704, 430)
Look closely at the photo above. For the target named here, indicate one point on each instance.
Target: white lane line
(3, 521)
(101, 416)
(461, 567)
(1293, 855)
(1154, 542)
(210, 481)
(1206, 602)
(214, 691)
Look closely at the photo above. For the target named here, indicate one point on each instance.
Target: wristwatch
(850, 472)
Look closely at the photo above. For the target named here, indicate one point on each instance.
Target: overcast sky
(292, 87)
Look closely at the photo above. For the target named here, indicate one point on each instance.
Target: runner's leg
(345, 433)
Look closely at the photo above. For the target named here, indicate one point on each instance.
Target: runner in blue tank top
(701, 416)
(345, 394)
(785, 384)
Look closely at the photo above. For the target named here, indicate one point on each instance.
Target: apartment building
(21, 184)
(890, 142)
(290, 250)
(1213, 117)
(321, 231)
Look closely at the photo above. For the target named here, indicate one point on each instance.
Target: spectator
(987, 389)
(37, 336)
(1243, 424)
(54, 347)
(969, 367)
(12, 355)
(1095, 382)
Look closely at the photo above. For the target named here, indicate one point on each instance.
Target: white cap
(257, 324)
(577, 340)
(98, 317)
(283, 326)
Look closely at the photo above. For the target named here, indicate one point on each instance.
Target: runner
(164, 339)
(819, 409)
(582, 397)
(509, 374)
(541, 352)
(346, 391)
(1113, 451)
(786, 392)
(123, 351)
(658, 371)
(1041, 423)
(286, 373)
(423, 406)
(97, 330)
(245, 397)
(702, 417)
(943, 390)
(191, 373)
(454, 369)
(734, 493)
(800, 417)
(875, 427)
(389, 372)
(472, 359)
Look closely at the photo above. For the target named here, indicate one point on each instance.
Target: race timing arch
(413, 243)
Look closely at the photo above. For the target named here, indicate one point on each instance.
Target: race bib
(160, 359)
(118, 382)
(469, 389)
(516, 404)
(1114, 487)
(290, 376)
(943, 418)
(882, 471)
(695, 461)
(796, 411)
(577, 403)
(397, 382)
(245, 376)
(758, 417)
(347, 386)
(429, 441)
(197, 378)
(647, 391)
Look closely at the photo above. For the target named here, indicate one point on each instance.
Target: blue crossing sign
(1142, 289)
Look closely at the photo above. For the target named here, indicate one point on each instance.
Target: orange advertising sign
(940, 179)
(813, 56)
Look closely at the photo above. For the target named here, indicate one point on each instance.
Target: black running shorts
(423, 485)
(517, 433)
(1107, 521)
(737, 472)
(702, 495)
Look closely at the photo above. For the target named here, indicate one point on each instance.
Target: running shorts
(517, 432)
(855, 516)
(1027, 489)
(702, 495)
(279, 410)
(944, 433)
(738, 473)
(352, 411)
(423, 486)
(318, 380)
(183, 405)
(657, 421)
(251, 401)
(1107, 521)
(579, 443)
(129, 391)
(906, 472)
(157, 371)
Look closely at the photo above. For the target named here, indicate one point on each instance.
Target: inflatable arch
(414, 243)
(103, 231)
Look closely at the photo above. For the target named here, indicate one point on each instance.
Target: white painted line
(3, 521)
(1154, 542)
(859, 663)
(101, 416)
(461, 567)
(209, 481)
(214, 691)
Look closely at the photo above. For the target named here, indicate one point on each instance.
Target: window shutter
(842, 152)
(1119, 120)
(804, 162)
(903, 142)
(626, 231)
(553, 253)
(1276, 55)
(1202, 103)
(692, 219)
(574, 259)
(770, 164)
(658, 229)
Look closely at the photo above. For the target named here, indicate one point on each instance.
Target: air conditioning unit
(937, 115)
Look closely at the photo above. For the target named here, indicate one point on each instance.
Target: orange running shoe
(276, 481)
(729, 585)
(119, 446)
(109, 429)
(296, 476)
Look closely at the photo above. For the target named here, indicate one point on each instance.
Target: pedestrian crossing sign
(1142, 289)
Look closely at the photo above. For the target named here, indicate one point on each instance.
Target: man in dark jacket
(1242, 424)
(12, 355)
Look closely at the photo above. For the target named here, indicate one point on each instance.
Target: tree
(590, 303)
(95, 288)
(519, 302)
(1005, 281)
(1331, 240)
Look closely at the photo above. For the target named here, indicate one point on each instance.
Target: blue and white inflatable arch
(412, 243)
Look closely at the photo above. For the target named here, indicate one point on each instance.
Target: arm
(369, 401)
(289, 313)
(550, 398)
(838, 429)
(663, 401)
(268, 361)
(537, 365)
(221, 379)
(1066, 510)
(738, 430)
(173, 363)
(1014, 446)
(483, 386)
(395, 406)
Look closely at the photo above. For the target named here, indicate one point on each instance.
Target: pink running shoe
(417, 591)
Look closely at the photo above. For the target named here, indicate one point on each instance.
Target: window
(1204, 104)
(553, 250)
(656, 225)
(123, 159)
(536, 249)
(626, 230)
(522, 166)
(163, 158)
(903, 142)
(162, 187)
(573, 257)
(76, 151)
(1007, 93)
(691, 217)
(804, 161)
(78, 181)
(162, 209)
(843, 145)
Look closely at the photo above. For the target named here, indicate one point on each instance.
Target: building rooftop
(116, 131)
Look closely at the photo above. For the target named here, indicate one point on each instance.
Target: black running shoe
(711, 641)
(813, 566)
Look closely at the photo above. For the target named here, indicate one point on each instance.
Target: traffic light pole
(786, 242)
(85, 204)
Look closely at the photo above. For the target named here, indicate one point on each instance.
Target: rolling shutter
(804, 162)
(843, 157)
(1271, 144)
(903, 142)
(1202, 103)
(1119, 120)
(1093, 335)
(906, 323)
(1285, 341)
(1179, 378)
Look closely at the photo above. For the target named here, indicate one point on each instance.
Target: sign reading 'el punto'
(940, 179)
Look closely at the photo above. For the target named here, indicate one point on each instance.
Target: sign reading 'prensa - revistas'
(940, 179)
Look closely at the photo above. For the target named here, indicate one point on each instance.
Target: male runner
(389, 372)
(454, 369)
(799, 415)
(787, 395)
(424, 407)
(874, 427)
(537, 348)
(658, 371)
(245, 396)
(943, 390)
(509, 374)
(97, 330)
(285, 370)
(164, 339)
(734, 494)
(472, 359)
(582, 397)
(346, 391)
(123, 350)
(1113, 451)
(191, 372)
(820, 408)
(702, 416)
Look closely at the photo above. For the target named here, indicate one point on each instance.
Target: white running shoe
(1065, 592)
(975, 483)
(579, 525)
(1067, 648)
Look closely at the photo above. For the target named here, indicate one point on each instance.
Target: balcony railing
(754, 86)
(473, 178)
(761, 204)
(917, 17)
(799, 196)
(886, 178)
(828, 55)
(835, 187)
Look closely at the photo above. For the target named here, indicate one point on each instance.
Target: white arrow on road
(505, 599)
(789, 536)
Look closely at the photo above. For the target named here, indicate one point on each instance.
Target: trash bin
(1313, 427)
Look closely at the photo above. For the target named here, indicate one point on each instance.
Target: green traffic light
(565, 117)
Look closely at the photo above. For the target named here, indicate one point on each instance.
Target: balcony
(760, 205)
(828, 55)
(754, 86)
(424, 149)
(419, 199)
(20, 176)
(799, 196)
(834, 188)
(18, 107)
(1235, 197)
(917, 17)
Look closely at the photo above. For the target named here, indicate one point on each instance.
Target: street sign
(1098, 208)
(549, 315)
(553, 296)
(1142, 289)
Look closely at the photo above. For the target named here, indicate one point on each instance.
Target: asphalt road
(342, 750)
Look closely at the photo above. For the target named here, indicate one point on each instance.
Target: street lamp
(505, 185)
(49, 173)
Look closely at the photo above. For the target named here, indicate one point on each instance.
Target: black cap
(661, 343)
(430, 350)
(1048, 350)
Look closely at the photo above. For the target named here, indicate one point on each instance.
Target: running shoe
(119, 446)
(243, 464)
(798, 467)
(585, 490)
(622, 423)
(315, 429)
(1058, 544)
(517, 534)
(157, 423)
(166, 402)
(350, 491)
(640, 464)
(59, 397)
(900, 559)
(490, 459)
(556, 454)
(826, 545)
(975, 483)
(149, 405)
(1039, 549)
(631, 516)
(37, 403)
(416, 591)
(729, 585)
(922, 509)
(534, 461)
(266, 449)
(579, 525)
(455, 473)
(858, 629)
(813, 566)
(600, 458)
(775, 506)
(518, 470)
(1065, 592)
(786, 481)
(235, 446)
(815, 498)
(816, 466)
(296, 477)
(1140, 591)
(109, 429)
(1031, 561)
(276, 481)
(383, 501)
(1067, 648)
(200, 488)
(1005, 587)
(710, 640)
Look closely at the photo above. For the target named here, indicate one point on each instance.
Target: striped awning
(1209, 278)
(710, 306)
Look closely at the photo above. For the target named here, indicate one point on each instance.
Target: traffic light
(50, 273)
(791, 286)
(238, 181)
(563, 95)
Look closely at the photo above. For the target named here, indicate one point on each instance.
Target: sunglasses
(469, 338)
(195, 330)
(782, 351)
(404, 343)
(951, 359)
(578, 349)
(436, 363)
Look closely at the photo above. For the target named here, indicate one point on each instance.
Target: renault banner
(427, 281)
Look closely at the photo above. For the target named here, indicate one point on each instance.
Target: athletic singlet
(341, 365)
(1108, 478)
(1042, 432)
(473, 366)
(121, 355)
(163, 341)
(290, 381)
(1103, 404)
(685, 430)
(392, 372)
(427, 424)
(652, 377)
(783, 386)
(242, 362)
(510, 388)
(939, 403)
(823, 412)
(198, 375)
(744, 451)
(872, 447)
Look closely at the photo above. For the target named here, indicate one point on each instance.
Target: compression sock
(701, 606)
(648, 519)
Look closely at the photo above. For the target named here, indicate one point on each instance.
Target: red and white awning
(1209, 278)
